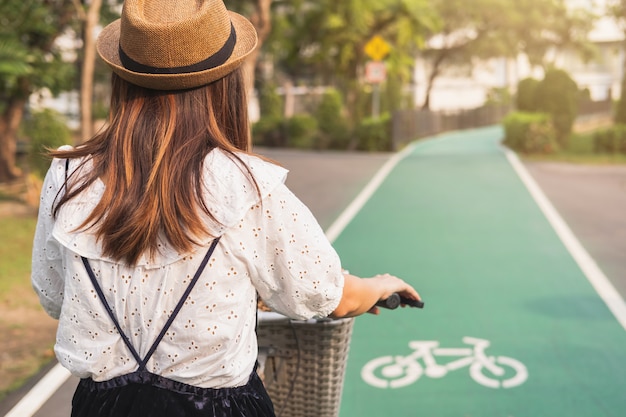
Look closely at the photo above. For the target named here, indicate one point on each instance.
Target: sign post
(375, 71)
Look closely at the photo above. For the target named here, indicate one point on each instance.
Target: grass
(4, 196)
(15, 253)
(27, 332)
(580, 150)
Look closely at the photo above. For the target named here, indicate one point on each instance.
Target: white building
(465, 88)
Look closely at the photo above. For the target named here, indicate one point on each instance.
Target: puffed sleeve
(300, 273)
(47, 265)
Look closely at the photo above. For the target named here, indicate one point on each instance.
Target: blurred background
(358, 76)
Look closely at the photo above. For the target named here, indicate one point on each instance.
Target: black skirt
(143, 394)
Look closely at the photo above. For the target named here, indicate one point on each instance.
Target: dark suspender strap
(92, 277)
(180, 304)
(142, 362)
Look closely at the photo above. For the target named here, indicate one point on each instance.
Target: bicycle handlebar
(396, 299)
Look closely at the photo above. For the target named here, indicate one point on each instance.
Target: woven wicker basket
(303, 363)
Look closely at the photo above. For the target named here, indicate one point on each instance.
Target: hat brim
(108, 42)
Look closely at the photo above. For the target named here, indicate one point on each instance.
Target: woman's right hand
(391, 284)
(361, 294)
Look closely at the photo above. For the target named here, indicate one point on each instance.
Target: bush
(530, 133)
(375, 134)
(271, 104)
(558, 95)
(269, 131)
(525, 99)
(620, 111)
(610, 140)
(333, 129)
(300, 131)
(44, 130)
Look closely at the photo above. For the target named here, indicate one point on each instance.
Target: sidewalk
(454, 219)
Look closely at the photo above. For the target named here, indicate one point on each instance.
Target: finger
(374, 310)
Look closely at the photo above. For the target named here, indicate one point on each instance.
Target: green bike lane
(454, 219)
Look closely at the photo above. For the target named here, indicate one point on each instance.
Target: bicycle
(400, 371)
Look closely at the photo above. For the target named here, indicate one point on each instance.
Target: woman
(155, 236)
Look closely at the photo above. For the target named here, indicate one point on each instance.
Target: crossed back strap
(142, 362)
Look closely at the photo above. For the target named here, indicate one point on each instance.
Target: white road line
(594, 274)
(357, 204)
(40, 393)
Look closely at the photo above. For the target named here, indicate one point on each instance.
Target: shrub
(333, 129)
(300, 131)
(530, 133)
(610, 140)
(269, 131)
(525, 98)
(374, 134)
(620, 110)
(558, 95)
(270, 102)
(44, 130)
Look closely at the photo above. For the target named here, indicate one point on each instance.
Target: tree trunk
(434, 73)
(87, 71)
(262, 21)
(9, 124)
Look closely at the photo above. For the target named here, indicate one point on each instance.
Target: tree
(28, 30)
(501, 28)
(259, 13)
(89, 17)
(323, 41)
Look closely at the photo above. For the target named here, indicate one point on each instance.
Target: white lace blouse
(273, 246)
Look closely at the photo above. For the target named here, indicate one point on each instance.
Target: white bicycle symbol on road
(400, 371)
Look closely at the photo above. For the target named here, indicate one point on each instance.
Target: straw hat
(176, 45)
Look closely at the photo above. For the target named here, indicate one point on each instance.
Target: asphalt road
(592, 200)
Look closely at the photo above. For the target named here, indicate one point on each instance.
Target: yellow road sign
(377, 48)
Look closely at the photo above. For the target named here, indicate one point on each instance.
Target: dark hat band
(215, 60)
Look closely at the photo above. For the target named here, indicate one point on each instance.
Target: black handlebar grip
(391, 303)
(396, 299)
(412, 303)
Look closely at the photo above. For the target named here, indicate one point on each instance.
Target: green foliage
(525, 99)
(558, 95)
(270, 102)
(620, 111)
(14, 62)
(498, 28)
(269, 131)
(530, 133)
(333, 128)
(498, 96)
(30, 57)
(394, 96)
(15, 254)
(610, 140)
(45, 130)
(329, 35)
(374, 134)
(322, 42)
(300, 131)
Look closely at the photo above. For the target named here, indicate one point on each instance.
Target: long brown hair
(150, 157)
